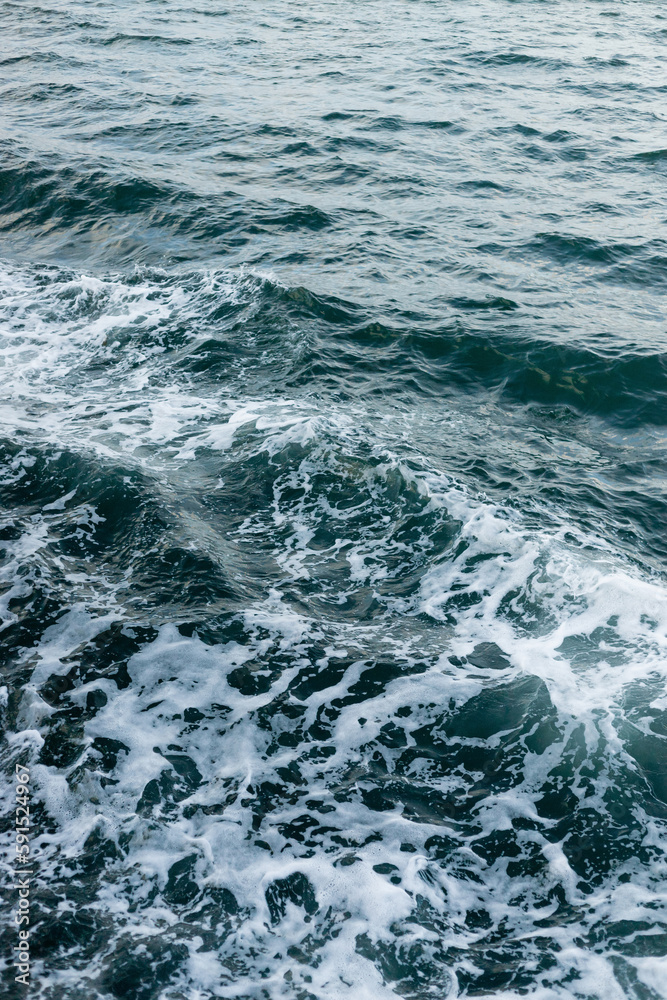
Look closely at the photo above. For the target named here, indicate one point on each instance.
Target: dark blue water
(332, 497)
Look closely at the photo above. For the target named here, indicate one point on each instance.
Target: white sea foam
(461, 596)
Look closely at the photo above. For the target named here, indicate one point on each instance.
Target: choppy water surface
(333, 496)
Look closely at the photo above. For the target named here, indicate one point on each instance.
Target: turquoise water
(332, 497)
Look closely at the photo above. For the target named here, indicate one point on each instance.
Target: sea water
(332, 497)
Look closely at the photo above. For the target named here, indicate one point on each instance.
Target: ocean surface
(333, 520)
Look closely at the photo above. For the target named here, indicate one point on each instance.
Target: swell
(194, 335)
(71, 199)
(487, 344)
(79, 197)
(622, 384)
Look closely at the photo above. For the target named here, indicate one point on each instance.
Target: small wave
(490, 302)
(651, 156)
(125, 38)
(515, 58)
(641, 262)
(37, 197)
(482, 185)
(32, 194)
